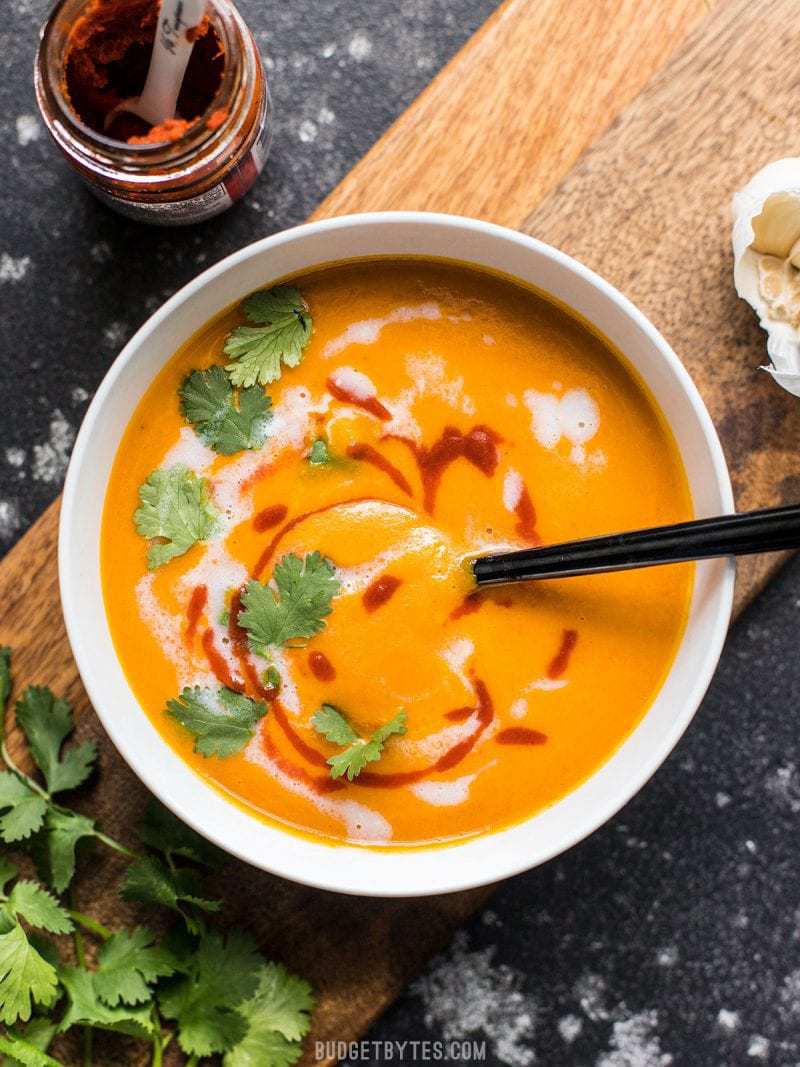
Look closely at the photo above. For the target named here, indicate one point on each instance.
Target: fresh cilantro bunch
(175, 513)
(358, 751)
(226, 421)
(222, 722)
(296, 608)
(279, 335)
(213, 994)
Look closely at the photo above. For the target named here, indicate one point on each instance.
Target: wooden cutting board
(493, 136)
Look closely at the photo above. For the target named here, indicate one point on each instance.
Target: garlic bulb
(766, 262)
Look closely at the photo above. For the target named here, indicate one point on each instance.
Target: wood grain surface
(492, 136)
(649, 207)
(504, 122)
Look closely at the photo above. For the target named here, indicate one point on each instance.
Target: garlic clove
(766, 270)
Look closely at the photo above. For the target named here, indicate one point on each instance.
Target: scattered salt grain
(10, 520)
(51, 458)
(466, 992)
(13, 270)
(28, 129)
(15, 457)
(758, 1048)
(360, 47)
(790, 996)
(114, 334)
(728, 1020)
(307, 131)
(590, 992)
(668, 956)
(634, 1043)
(570, 1028)
(784, 786)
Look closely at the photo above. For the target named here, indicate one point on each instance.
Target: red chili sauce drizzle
(459, 714)
(219, 665)
(197, 603)
(380, 591)
(367, 454)
(520, 735)
(300, 774)
(560, 662)
(526, 517)
(474, 601)
(269, 551)
(321, 667)
(370, 404)
(270, 517)
(478, 446)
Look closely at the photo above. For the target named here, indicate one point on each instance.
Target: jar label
(171, 212)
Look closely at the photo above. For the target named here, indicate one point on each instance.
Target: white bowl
(351, 869)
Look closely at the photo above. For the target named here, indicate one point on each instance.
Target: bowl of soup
(266, 543)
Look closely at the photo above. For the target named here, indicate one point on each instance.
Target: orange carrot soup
(286, 543)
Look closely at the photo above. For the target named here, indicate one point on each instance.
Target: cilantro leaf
(278, 1018)
(25, 977)
(319, 453)
(306, 587)
(209, 404)
(175, 506)
(127, 964)
(262, 1046)
(333, 726)
(163, 831)
(352, 760)
(222, 723)
(54, 848)
(36, 906)
(87, 1009)
(24, 810)
(281, 336)
(29, 1048)
(150, 882)
(24, 1052)
(46, 722)
(220, 974)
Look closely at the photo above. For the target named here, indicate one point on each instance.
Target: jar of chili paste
(93, 54)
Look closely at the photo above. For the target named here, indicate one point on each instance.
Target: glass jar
(187, 180)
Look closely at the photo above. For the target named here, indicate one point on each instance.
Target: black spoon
(769, 530)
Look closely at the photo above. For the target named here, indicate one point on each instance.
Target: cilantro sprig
(174, 513)
(26, 976)
(222, 723)
(214, 994)
(280, 335)
(226, 421)
(296, 608)
(29, 813)
(358, 751)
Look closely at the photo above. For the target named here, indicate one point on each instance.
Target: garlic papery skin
(766, 262)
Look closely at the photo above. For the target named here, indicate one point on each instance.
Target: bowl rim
(286, 866)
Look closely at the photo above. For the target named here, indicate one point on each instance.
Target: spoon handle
(769, 530)
(172, 49)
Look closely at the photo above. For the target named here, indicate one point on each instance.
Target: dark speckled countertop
(671, 936)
